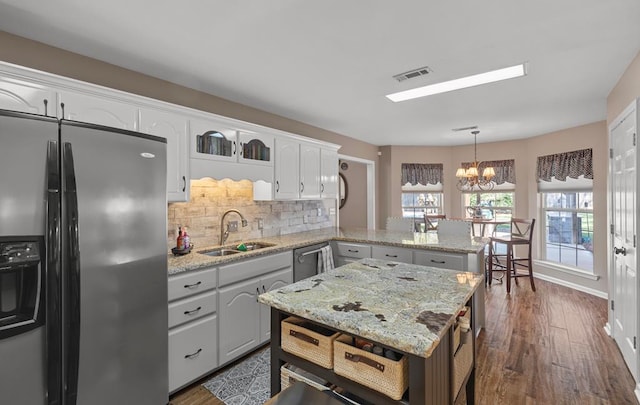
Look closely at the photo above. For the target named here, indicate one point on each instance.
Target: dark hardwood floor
(547, 347)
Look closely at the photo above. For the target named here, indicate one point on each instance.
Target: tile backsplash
(211, 198)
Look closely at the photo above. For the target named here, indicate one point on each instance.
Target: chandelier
(469, 179)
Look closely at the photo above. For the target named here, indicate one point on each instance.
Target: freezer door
(24, 143)
(114, 266)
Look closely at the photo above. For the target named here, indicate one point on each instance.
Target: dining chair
(454, 227)
(513, 266)
(431, 221)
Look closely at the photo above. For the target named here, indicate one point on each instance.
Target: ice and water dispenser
(21, 284)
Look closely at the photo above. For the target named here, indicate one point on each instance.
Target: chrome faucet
(224, 234)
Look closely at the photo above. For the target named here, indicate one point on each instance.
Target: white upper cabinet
(96, 109)
(328, 173)
(309, 171)
(287, 169)
(174, 128)
(213, 140)
(255, 148)
(218, 149)
(18, 95)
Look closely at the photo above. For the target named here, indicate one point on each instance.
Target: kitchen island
(407, 308)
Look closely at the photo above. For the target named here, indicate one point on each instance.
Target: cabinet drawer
(191, 283)
(442, 260)
(391, 253)
(193, 351)
(354, 250)
(232, 273)
(191, 308)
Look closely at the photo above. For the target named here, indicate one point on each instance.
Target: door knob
(622, 250)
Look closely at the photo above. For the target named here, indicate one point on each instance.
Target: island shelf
(415, 317)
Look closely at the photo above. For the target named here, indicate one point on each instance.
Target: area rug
(246, 383)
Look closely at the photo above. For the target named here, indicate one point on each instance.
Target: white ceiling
(329, 63)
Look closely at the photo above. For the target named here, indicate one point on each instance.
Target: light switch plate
(232, 226)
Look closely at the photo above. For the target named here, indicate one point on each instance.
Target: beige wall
(354, 212)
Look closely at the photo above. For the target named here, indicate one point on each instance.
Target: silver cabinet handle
(437, 261)
(192, 285)
(192, 311)
(302, 187)
(184, 183)
(192, 355)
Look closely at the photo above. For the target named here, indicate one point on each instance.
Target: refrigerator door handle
(52, 290)
(71, 262)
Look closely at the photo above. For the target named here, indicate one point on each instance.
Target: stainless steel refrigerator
(83, 264)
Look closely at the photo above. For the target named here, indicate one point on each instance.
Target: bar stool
(521, 235)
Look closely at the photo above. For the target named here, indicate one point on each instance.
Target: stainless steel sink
(232, 250)
(219, 252)
(257, 245)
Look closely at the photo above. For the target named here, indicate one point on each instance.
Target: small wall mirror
(344, 190)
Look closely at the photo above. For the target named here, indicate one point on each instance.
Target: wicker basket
(307, 344)
(462, 363)
(384, 375)
(289, 376)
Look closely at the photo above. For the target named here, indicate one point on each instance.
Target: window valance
(559, 166)
(421, 173)
(505, 170)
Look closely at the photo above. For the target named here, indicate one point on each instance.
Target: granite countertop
(427, 241)
(404, 306)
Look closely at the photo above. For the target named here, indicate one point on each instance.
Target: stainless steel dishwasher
(305, 261)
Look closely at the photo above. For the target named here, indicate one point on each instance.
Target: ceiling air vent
(423, 71)
(465, 128)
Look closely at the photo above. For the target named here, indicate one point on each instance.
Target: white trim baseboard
(592, 291)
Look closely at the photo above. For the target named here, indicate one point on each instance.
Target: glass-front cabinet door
(213, 141)
(255, 148)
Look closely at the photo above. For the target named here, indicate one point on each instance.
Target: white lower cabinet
(452, 261)
(244, 322)
(347, 252)
(270, 282)
(193, 351)
(193, 326)
(391, 253)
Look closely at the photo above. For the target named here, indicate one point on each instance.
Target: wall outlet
(332, 211)
(305, 219)
(260, 223)
(319, 212)
(232, 226)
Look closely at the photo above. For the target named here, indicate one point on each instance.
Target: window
(565, 184)
(493, 205)
(415, 204)
(421, 191)
(568, 228)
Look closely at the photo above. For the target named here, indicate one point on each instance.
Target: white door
(624, 281)
(173, 128)
(329, 173)
(287, 169)
(309, 171)
(94, 109)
